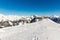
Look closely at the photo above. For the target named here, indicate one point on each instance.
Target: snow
(12, 17)
(45, 29)
(56, 16)
(13, 20)
(42, 30)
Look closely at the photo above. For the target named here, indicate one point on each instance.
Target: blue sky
(30, 7)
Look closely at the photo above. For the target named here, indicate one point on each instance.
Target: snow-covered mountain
(55, 18)
(42, 30)
(11, 17)
(13, 20)
(34, 28)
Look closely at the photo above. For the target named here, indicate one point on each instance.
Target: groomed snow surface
(42, 30)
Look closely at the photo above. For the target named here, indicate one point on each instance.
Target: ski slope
(42, 30)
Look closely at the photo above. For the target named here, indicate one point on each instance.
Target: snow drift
(42, 30)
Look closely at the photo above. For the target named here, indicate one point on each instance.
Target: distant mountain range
(55, 18)
(13, 20)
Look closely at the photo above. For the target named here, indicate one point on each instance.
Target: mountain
(55, 18)
(13, 20)
(42, 30)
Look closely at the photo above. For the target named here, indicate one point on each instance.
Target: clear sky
(30, 7)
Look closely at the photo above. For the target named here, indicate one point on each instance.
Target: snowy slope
(42, 30)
